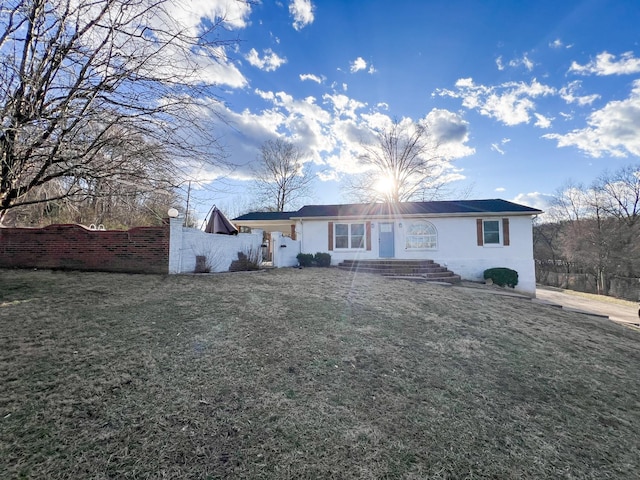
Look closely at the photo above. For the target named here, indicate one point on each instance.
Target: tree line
(100, 104)
(594, 231)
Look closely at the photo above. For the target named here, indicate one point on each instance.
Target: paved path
(615, 311)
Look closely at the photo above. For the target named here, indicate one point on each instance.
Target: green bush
(305, 259)
(323, 259)
(502, 276)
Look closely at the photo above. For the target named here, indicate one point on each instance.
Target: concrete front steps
(426, 270)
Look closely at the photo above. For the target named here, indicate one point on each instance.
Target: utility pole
(186, 215)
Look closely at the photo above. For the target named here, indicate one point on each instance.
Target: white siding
(457, 246)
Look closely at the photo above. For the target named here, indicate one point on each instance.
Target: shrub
(502, 276)
(305, 259)
(202, 265)
(323, 259)
(247, 260)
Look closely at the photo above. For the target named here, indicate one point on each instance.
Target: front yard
(312, 373)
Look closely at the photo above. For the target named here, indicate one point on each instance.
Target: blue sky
(523, 95)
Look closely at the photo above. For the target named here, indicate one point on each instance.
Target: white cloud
(516, 62)
(542, 121)
(269, 62)
(331, 133)
(607, 64)
(265, 95)
(312, 77)
(511, 103)
(569, 94)
(541, 201)
(212, 65)
(497, 147)
(230, 13)
(557, 43)
(371, 70)
(358, 64)
(302, 12)
(343, 106)
(451, 133)
(200, 65)
(524, 61)
(613, 130)
(500, 189)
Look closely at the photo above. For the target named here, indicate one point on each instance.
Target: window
(421, 235)
(357, 235)
(342, 235)
(350, 235)
(491, 232)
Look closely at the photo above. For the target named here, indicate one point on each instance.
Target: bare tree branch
(85, 86)
(402, 165)
(280, 178)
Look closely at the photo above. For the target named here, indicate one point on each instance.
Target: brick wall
(74, 247)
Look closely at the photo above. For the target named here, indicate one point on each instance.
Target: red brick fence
(74, 247)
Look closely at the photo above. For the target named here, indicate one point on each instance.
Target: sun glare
(385, 184)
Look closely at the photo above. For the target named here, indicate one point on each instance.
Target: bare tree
(281, 180)
(87, 86)
(620, 192)
(401, 165)
(596, 228)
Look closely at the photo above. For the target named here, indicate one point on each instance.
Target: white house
(465, 236)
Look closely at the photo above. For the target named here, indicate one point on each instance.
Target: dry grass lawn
(313, 373)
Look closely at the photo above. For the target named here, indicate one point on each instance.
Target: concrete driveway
(616, 310)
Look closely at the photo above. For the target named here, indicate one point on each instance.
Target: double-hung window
(493, 232)
(349, 235)
(342, 235)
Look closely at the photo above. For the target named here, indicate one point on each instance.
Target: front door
(386, 239)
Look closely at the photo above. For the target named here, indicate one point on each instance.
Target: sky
(522, 96)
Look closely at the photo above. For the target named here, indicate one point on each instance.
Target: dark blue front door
(386, 240)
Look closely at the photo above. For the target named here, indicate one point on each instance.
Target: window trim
(485, 232)
(503, 232)
(366, 236)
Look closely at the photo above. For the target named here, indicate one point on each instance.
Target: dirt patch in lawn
(313, 373)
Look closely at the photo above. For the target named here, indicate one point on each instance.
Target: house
(465, 236)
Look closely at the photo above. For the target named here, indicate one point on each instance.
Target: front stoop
(423, 269)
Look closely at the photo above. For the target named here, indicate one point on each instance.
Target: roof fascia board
(248, 223)
(421, 215)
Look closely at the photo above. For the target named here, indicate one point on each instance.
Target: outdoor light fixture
(173, 213)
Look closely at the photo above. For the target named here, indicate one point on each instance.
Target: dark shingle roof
(265, 216)
(362, 210)
(415, 208)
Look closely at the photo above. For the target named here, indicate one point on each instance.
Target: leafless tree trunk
(402, 165)
(97, 91)
(280, 177)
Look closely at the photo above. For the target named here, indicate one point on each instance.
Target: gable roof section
(364, 210)
(265, 216)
